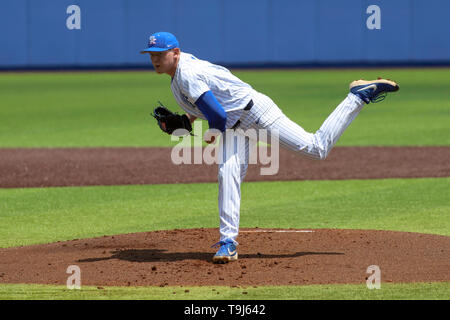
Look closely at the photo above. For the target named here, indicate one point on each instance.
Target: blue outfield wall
(34, 33)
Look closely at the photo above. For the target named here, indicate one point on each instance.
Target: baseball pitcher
(212, 93)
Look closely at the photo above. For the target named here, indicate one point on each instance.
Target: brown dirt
(123, 166)
(183, 257)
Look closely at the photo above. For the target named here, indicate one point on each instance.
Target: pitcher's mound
(266, 257)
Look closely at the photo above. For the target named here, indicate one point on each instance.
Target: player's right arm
(213, 111)
(194, 86)
(191, 117)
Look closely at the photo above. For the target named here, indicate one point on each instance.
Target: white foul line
(280, 231)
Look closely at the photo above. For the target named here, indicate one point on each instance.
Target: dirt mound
(183, 257)
(266, 257)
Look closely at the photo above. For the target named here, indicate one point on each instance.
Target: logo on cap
(152, 41)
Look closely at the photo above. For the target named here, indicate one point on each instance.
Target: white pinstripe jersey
(194, 77)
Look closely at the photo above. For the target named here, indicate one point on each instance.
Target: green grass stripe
(42, 215)
(388, 291)
(89, 109)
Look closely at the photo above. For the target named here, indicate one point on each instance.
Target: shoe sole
(225, 259)
(362, 82)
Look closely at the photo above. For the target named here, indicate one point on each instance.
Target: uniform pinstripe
(193, 77)
(266, 115)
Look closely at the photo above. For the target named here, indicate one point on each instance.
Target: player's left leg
(233, 164)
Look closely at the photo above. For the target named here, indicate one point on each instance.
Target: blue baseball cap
(161, 41)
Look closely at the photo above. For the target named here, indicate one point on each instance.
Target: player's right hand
(210, 136)
(213, 138)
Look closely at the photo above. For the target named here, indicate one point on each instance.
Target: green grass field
(43, 215)
(388, 291)
(112, 109)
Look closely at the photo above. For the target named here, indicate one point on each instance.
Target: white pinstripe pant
(265, 114)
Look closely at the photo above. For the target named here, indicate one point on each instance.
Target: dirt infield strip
(123, 166)
(183, 257)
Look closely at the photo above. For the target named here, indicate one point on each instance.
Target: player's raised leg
(373, 90)
(319, 144)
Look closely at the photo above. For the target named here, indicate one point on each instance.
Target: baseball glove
(169, 121)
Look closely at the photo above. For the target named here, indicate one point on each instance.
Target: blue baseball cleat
(374, 90)
(227, 251)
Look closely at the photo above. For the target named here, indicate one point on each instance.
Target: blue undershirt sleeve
(213, 111)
